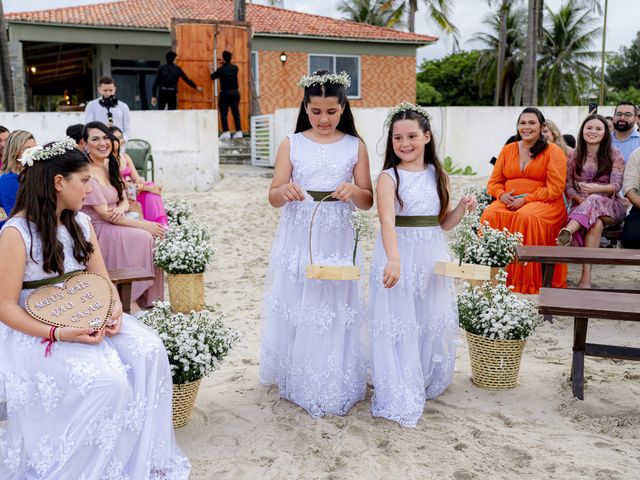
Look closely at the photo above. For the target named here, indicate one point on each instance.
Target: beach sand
(242, 430)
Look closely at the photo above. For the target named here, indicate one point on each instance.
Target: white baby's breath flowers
(196, 342)
(363, 228)
(341, 78)
(403, 107)
(496, 312)
(178, 210)
(40, 153)
(186, 248)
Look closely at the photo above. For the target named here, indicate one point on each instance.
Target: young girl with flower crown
(92, 403)
(412, 312)
(312, 330)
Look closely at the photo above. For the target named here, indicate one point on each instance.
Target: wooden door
(200, 44)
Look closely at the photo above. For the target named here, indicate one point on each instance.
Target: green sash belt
(417, 221)
(317, 196)
(48, 281)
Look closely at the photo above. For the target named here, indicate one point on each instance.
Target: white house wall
(184, 142)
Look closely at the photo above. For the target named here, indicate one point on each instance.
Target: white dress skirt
(86, 411)
(312, 330)
(414, 325)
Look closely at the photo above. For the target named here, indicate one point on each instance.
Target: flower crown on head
(341, 78)
(39, 153)
(403, 107)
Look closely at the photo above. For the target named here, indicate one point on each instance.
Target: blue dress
(8, 190)
(414, 324)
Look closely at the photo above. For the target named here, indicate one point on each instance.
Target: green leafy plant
(453, 169)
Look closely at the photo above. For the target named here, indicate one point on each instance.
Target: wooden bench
(122, 278)
(583, 305)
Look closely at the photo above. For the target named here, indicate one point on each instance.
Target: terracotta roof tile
(156, 14)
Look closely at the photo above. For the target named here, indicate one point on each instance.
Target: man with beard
(108, 109)
(625, 137)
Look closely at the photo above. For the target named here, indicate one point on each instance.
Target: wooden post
(239, 9)
(6, 78)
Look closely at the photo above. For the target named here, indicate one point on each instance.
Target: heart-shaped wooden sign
(83, 301)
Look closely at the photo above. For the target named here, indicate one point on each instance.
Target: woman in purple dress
(124, 242)
(594, 177)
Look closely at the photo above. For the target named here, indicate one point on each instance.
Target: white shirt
(94, 112)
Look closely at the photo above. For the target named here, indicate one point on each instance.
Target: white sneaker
(237, 135)
(225, 136)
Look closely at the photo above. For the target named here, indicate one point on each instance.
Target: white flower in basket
(196, 342)
(178, 210)
(331, 269)
(185, 248)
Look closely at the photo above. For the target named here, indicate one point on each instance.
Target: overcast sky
(623, 18)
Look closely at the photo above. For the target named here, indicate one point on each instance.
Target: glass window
(254, 73)
(337, 63)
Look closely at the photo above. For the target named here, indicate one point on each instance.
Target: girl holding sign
(98, 405)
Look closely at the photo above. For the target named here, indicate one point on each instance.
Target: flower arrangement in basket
(363, 228)
(178, 210)
(481, 250)
(184, 253)
(496, 322)
(196, 343)
(482, 197)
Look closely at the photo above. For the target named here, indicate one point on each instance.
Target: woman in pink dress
(594, 177)
(148, 193)
(124, 242)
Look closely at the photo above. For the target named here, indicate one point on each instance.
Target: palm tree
(502, 73)
(439, 12)
(382, 13)
(566, 55)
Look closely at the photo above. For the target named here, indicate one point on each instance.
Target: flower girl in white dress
(412, 312)
(92, 404)
(312, 330)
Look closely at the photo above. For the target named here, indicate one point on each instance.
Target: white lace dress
(312, 329)
(87, 411)
(414, 325)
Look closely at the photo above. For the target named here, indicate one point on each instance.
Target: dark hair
(625, 102)
(391, 160)
(541, 144)
(36, 198)
(114, 167)
(604, 159)
(346, 123)
(3, 129)
(114, 129)
(226, 56)
(171, 56)
(609, 117)
(75, 131)
(106, 81)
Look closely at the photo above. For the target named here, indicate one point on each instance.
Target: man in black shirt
(165, 86)
(229, 94)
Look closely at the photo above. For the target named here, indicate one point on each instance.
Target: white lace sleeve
(84, 221)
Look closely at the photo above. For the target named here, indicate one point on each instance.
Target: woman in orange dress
(528, 181)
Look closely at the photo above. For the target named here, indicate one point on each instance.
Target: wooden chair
(123, 278)
(583, 305)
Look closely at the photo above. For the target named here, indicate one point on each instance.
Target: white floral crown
(341, 78)
(403, 107)
(39, 153)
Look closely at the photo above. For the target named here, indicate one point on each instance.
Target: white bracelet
(56, 334)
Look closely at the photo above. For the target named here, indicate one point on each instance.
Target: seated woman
(552, 133)
(594, 177)
(528, 182)
(17, 142)
(125, 242)
(89, 404)
(148, 193)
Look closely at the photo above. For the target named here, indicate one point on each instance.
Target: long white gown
(86, 411)
(312, 330)
(414, 325)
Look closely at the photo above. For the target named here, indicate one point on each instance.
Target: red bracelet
(49, 341)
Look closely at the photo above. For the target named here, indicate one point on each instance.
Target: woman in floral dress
(594, 177)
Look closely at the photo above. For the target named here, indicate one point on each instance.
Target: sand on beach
(242, 430)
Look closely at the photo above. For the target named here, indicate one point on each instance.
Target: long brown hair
(37, 201)
(391, 160)
(604, 159)
(13, 151)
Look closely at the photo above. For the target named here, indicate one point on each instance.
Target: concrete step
(235, 159)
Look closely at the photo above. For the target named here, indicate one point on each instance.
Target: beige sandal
(564, 237)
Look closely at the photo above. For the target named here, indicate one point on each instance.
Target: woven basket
(184, 396)
(186, 292)
(492, 278)
(494, 363)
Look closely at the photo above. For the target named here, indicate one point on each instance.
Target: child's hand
(115, 322)
(468, 203)
(391, 273)
(291, 192)
(344, 191)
